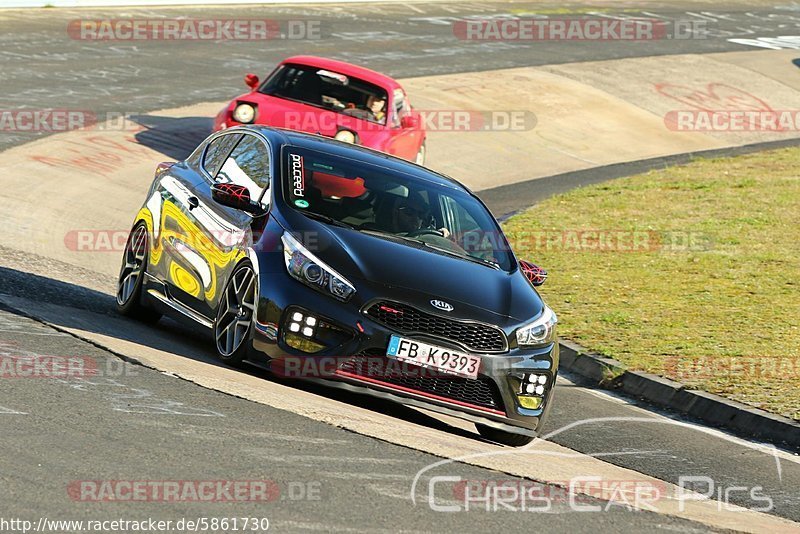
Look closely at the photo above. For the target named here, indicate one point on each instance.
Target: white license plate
(431, 356)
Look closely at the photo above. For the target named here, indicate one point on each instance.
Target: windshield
(393, 205)
(330, 90)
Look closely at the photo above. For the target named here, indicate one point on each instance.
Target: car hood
(284, 113)
(417, 275)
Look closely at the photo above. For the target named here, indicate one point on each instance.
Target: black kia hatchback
(329, 261)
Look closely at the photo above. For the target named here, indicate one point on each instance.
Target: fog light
(304, 344)
(309, 333)
(302, 324)
(531, 403)
(530, 388)
(534, 381)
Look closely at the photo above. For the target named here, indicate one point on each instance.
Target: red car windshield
(330, 90)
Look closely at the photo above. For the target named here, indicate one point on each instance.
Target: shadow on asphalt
(195, 343)
(174, 137)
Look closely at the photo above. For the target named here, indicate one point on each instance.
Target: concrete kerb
(712, 409)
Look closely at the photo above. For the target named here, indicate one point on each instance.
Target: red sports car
(335, 99)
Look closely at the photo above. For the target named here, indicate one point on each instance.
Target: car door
(179, 259)
(226, 233)
(404, 142)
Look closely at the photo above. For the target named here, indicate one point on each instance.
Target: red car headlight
(346, 136)
(244, 113)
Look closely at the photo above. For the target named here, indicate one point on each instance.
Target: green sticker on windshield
(300, 203)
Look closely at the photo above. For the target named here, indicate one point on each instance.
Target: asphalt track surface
(142, 425)
(61, 431)
(45, 67)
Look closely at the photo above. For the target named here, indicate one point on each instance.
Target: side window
(248, 165)
(401, 107)
(216, 152)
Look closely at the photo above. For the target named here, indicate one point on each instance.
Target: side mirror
(251, 80)
(410, 121)
(163, 166)
(237, 197)
(535, 274)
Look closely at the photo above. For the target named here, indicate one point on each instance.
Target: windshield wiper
(327, 219)
(394, 237)
(482, 261)
(453, 253)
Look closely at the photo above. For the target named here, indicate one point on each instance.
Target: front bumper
(361, 346)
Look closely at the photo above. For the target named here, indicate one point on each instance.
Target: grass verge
(692, 273)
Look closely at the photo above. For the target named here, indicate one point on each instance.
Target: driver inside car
(412, 216)
(376, 106)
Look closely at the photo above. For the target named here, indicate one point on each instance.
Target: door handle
(193, 203)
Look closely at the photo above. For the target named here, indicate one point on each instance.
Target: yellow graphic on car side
(176, 227)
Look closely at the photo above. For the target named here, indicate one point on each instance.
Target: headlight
(244, 113)
(540, 331)
(345, 136)
(308, 269)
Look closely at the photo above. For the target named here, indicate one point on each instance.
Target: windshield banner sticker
(297, 175)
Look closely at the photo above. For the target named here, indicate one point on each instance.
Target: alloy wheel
(133, 266)
(236, 311)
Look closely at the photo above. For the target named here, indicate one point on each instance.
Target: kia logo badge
(442, 305)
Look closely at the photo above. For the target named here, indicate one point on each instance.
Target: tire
(503, 437)
(423, 152)
(129, 298)
(235, 315)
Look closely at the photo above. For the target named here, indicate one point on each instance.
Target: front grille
(409, 320)
(374, 364)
